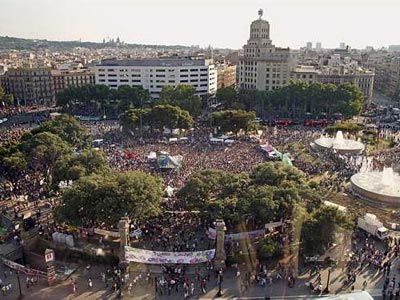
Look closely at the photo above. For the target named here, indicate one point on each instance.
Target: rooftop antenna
(260, 13)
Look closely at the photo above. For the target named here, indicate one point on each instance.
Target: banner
(212, 235)
(106, 232)
(161, 257)
(23, 269)
(273, 225)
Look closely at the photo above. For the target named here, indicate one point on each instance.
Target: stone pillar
(123, 227)
(220, 255)
(50, 266)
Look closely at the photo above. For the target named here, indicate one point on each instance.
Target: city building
(77, 78)
(342, 45)
(394, 48)
(309, 46)
(318, 46)
(263, 66)
(362, 78)
(226, 75)
(387, 74)
(30, 86)
(154, 74)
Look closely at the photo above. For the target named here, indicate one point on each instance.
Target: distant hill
(7, 42)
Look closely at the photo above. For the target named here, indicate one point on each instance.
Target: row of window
(156, 70)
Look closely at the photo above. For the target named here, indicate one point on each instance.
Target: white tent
(152, 155)
(169, 191)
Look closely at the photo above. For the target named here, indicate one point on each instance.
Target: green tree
(74, 166)
(42, 151)
(12, 165)
(170, 117)
(233, 120)
(319, 229)
(130, 119)
(227, 96)
(267, 248)
(271, 192)
(275, 173)
(67, 128)
(129, 97)
(105, 199)
(213, 193)
(351, 100)
(183, 96)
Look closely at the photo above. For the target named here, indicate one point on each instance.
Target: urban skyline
(293, 23)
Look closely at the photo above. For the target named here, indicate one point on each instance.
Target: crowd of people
(184, 231)
(174, 231)
(198, 154)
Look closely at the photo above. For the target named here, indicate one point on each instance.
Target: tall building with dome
(264, 66)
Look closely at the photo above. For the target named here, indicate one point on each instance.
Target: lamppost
(20, 296)
(328, 282)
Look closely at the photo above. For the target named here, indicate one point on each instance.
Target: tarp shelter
(166, 161)
(152, 155)
(216, 141)
(173, 140)
(169, 191)
(97, 143)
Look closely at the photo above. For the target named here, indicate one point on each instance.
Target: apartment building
(362, 78)
(77, 78)
(30, 86)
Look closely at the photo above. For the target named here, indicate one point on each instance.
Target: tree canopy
(100, 99)
(105, 199)
(43, 149)
(67, 128)
(183, 96)
(76, 165)
(319, 229)
(157, 117)
(233, 120)
(269, 193)
(298, 98)
(228, 97)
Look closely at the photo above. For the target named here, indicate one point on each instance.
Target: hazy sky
(221, 23)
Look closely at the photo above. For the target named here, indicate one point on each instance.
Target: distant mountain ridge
(7, 42)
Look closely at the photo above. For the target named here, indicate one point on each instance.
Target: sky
(219, 23)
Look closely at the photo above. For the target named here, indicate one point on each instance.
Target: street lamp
(20, 296)
(328, 282)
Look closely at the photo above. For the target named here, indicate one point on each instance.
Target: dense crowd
(183, 231)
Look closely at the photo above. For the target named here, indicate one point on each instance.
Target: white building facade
(154, 74)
